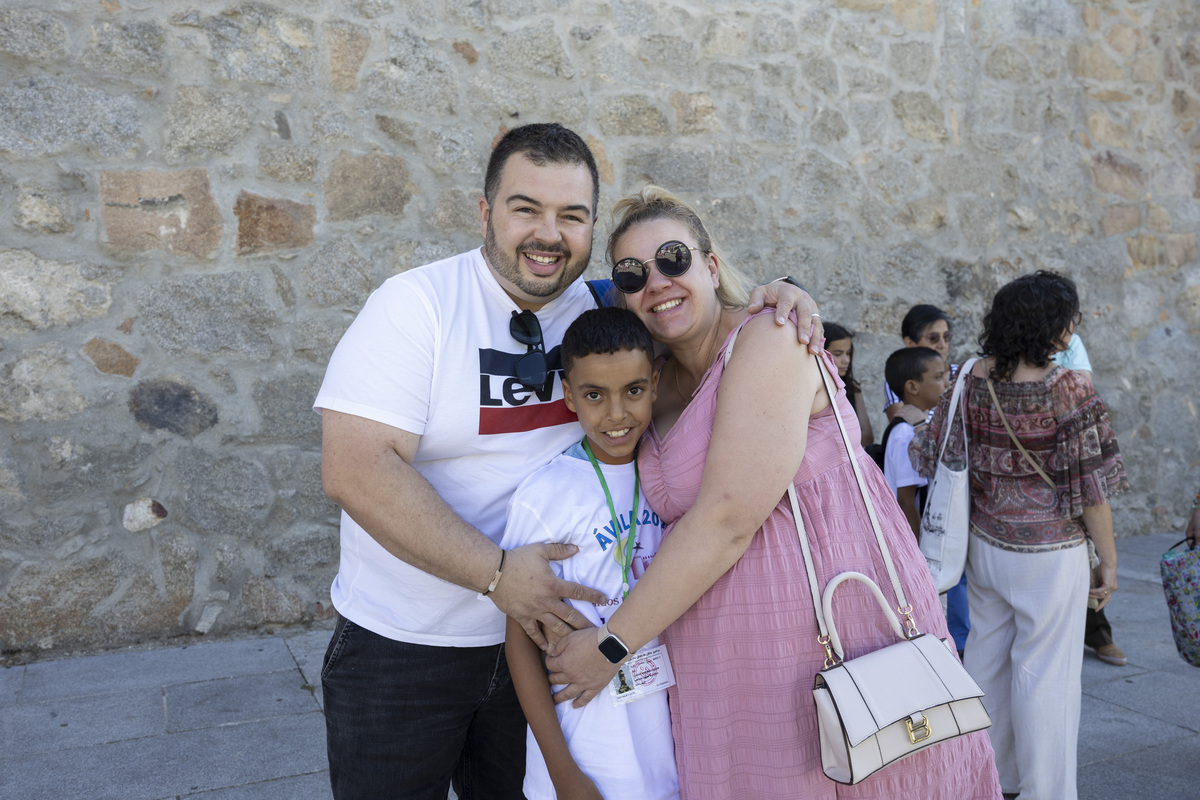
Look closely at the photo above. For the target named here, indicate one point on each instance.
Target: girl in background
(839, 341)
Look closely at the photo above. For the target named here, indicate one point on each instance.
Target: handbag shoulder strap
(959, 380)
(800, 531)
(902, 602)
(1036, 467)
(831, 390)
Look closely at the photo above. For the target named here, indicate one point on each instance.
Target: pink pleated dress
(745, 654)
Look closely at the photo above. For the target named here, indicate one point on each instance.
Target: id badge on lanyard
(647, 672)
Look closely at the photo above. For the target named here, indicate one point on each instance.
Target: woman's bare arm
(1099, 523)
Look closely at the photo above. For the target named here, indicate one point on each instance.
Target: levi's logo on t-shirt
(508, 406)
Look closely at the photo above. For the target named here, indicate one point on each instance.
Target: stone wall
(194, 203)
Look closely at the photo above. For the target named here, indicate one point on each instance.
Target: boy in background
(932, 379)
(917, 375)
(923, 326)
(619, 745)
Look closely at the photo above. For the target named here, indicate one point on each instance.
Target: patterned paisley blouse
(1064, 425)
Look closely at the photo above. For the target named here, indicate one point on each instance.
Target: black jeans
(404, 720)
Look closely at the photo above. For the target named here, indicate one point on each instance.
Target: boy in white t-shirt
(918, 377)
(619, 745)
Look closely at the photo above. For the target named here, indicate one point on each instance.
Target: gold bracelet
(496, 578)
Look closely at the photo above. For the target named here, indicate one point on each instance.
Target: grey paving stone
(57, 725)
(1165, 772)
(1146, 547)
(1139, 557)
(309, 651)
(1111, 728)
(227, 701)
(1096, 671)
(173, 764)
(10, 685)
(314, 786)
(114, 672)
(1161, 695)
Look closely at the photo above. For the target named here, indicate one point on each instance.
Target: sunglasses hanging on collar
(532, 367)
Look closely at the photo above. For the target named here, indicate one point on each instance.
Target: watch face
(613, 650)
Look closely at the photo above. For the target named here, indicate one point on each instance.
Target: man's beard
(506, 265)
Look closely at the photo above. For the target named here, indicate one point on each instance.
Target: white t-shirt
(430, 353)
(626, 750)
(897, 468)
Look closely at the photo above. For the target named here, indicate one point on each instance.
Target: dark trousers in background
(1097, 632)
(404, 720)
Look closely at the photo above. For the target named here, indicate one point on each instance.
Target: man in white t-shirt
(442, 396)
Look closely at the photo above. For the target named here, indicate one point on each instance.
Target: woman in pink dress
(727, 589)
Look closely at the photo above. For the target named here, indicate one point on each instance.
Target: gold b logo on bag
(918, 731)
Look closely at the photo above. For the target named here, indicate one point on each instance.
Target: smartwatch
(610, 645)
(792, 281)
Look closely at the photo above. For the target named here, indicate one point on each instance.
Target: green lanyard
(627, 547)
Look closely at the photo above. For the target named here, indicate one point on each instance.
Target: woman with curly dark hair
(1043, 464)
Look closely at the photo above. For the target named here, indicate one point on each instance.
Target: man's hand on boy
(530, 592)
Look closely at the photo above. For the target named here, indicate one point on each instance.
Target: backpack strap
(602, 291)
(888, 432)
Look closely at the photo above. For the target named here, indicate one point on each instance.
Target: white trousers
(1025, 650)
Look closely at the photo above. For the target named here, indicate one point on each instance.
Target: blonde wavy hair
(654, 202)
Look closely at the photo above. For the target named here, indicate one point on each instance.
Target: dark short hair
(908, 364)
(1028, 319)
(604, 330)
(542, 143)
(919, 318)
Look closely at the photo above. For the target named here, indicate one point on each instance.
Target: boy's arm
(907, 497)
(533, 690)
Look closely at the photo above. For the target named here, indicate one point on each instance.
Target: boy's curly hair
(1029, 320)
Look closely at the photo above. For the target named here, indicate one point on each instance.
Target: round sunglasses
(672, 258)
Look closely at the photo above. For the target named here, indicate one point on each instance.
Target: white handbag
(946, 520)
(890, 703)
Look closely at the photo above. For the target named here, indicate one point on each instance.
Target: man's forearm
(365, 475)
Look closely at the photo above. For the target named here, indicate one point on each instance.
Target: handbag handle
(827, 606)
(959, 380)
